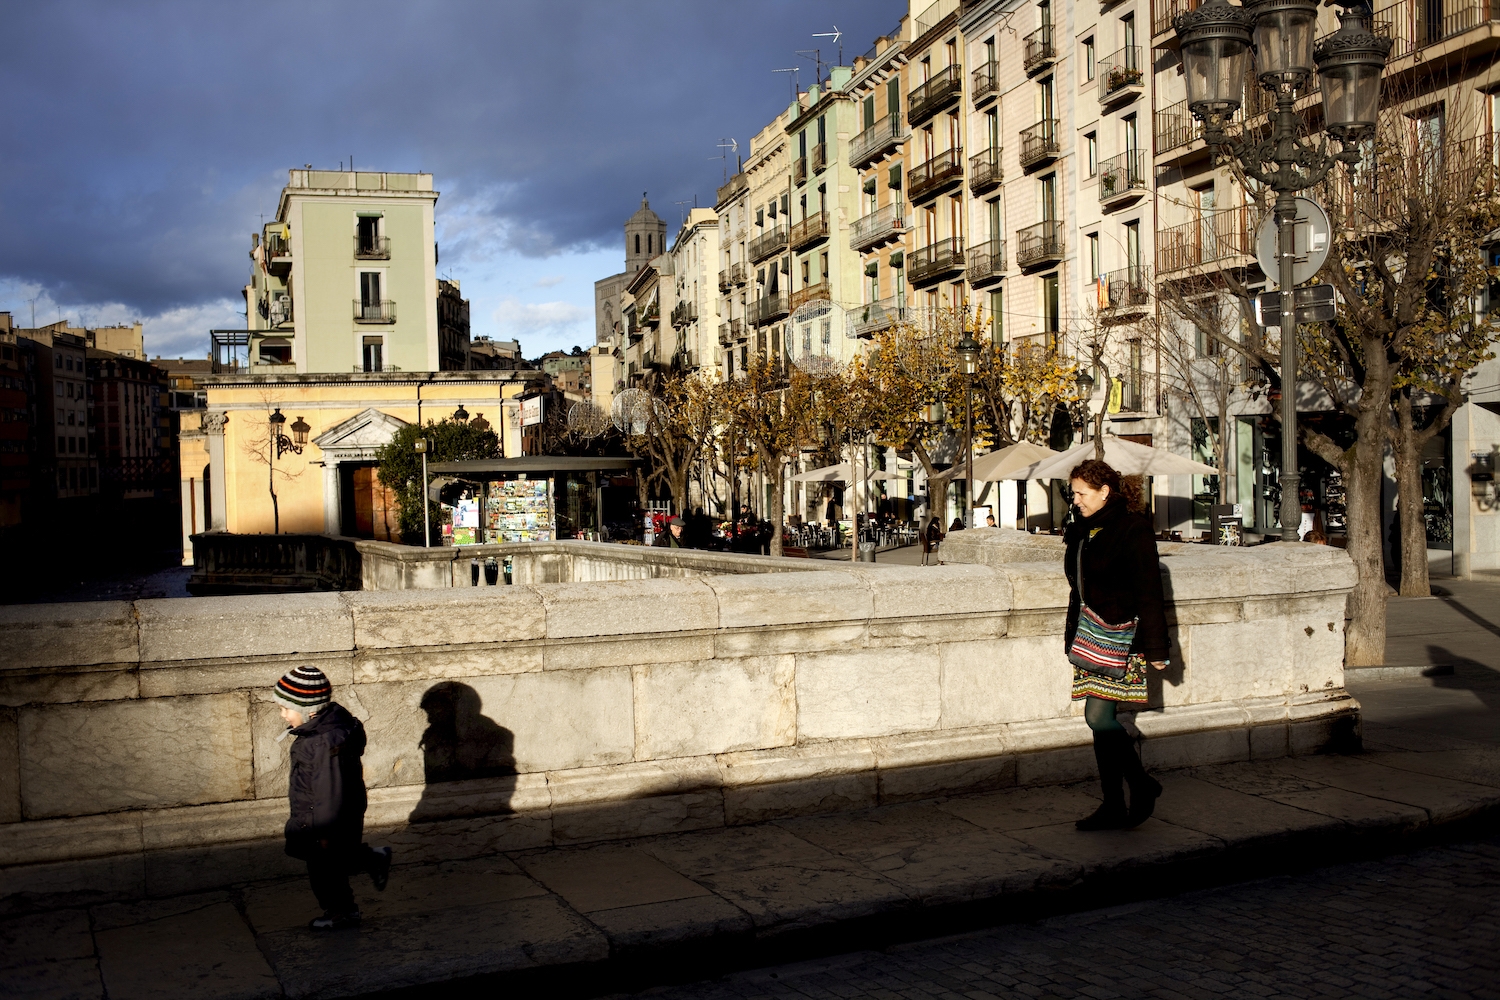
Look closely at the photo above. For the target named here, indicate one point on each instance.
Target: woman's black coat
(1121, 575)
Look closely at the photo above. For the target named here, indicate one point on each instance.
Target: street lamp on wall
(1216, 41)
(461, 414)
(420, 447)
(968, 358)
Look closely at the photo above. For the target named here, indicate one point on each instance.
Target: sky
(145, 141)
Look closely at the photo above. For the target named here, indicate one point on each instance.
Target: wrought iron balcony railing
(1039, 143)
(799, 170)
(1173, 127)
(1125, 290)
(1038, 49)
(770, 307)
(768, 244)
(809, 293)
(1208, 239)
(1120, 74)
(936, 93)
(984, 81)
(984, 170)
(879, 226)
(886, 134)
(941, 171)
(1040, 244)
(819, 157)
(372, 248)
(381, 311)
(935, 260)
(810, 231)
(1122, 176)
(986, 263)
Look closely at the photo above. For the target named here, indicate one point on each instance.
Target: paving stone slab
(1444, 799)
(674, 922)
(1153, 842)
(1479, 765)
(206, 953)
(787, 897)
(608, 878)
(1026, 808)
(49, 955)
(409, 949)
(735, 848)
(1231, 816)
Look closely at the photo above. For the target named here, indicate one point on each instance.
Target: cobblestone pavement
(1425, 924)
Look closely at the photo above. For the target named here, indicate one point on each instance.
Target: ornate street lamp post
(280, 445)
(968, 357)
(1216, 41)
(421, 449)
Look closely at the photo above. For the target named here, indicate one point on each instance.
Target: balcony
(941, 90)
(799, 170)
(984, 170)
(737, 273)
(884, 225)
(382, 311)
(939, 173)
(882, 137)
(986, 263)
(809, 293)
(684, 312)
(1126, 291)
(984, 82)
(934, 261)
(810, 231)
(372, 248)
(769, 307)
(867, 320)
(1122, 178)
(1039, 245)
(819, 157)
(1211, 238)
(1039, 143)
(1039, 50)
(736, 184)
(768, 244)
(1429, 24)
(731, 331)
(1121, 78)
(1173, 127)
(278, 254)
(1163, 12)
(724, 282)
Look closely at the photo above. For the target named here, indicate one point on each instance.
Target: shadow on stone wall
(461, 744)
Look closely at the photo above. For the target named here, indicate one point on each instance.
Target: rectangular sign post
(1315, 304)
(531, 411)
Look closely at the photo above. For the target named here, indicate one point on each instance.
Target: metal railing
(885, 134)
(768, 244)
(1039, 49)
(1415, 25)
(930, 177)
(225, 563)
(684, 313)
(799, 170)
(1125, 289)
(1163, 11)
(810, 230)
(277, 246)
(724, 282)
(769, 307)
(1039, 243)
(984, 170)
(1119, 71)
(819, 157)
(869, 319)
(935, 259)
(737, 273)
(929, 18)
(731, 331)
(1039, 142)
(1122, 175)
(984, 81)
(1173, 127)
(943, 87)
(383, 311)
(809, 293)
(1213, 236)
(883, 223)
(986, 262)
(378, 248)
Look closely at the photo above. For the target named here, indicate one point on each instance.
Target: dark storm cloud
(145, 140)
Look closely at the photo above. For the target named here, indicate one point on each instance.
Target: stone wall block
(92, 758)
(1182, 611)
(44, 841)
(621, 819)
(1317, 640)
(271, 761)
(395, 723)
(955, 777)
(1048, 622)
(68, 635)
(166, 679)
(714, 706)
(201, 826)
(628, 608)
(626, 651)
(496, 797)
(903, 591)
(1038, 586)
(1214, 746)
(10, 767)
(860, 694)
(807, 796)
(63, 685)
(1003, 680)
(373, 666)
(772, 640)
(562, 719)
(198, 628)
(1231, 661)
(792, 598)
(891, 633)
(455, 616)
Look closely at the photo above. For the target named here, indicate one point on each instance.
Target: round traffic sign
(1310, 245)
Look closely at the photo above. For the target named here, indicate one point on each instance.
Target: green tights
(1099, 713)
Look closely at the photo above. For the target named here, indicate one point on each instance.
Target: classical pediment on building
(359, 437)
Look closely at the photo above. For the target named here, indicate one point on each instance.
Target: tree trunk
(778, 503)
(1414, 579)
(1364, 642)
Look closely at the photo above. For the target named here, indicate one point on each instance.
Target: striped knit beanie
(304, 689)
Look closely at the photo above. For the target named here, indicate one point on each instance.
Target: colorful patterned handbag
(1099, 647)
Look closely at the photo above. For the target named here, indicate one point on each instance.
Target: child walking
(327, 796)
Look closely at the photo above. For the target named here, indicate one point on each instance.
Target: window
(992, 129)
(992, 218)
(1051, 310)
(1134, 383)
(997, 316)
(1088, 59)
(1049, 197)
(872, 271)
(648, 244)
(1132, 134)
(637, 242)
(57, 360)
(868, 110)
(1127, 31)
(368, 232)
(1091, 154)
(893, 97)
(1092, 239)
(1133, 245)
(823, 266)
(374, 349)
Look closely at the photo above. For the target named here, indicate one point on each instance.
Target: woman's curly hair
(1131, 489)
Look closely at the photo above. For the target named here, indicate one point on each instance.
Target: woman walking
(931, 539)
(1116, 625)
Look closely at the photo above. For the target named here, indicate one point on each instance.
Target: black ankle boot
(1112, 814)
(1144, 789)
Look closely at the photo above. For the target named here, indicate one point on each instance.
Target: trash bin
(491, 571)
(866, 551)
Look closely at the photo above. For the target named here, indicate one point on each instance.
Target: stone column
(332, 506)
(213, 426)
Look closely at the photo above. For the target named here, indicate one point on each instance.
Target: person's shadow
(462, 745)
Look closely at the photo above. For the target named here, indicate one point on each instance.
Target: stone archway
(351, 493)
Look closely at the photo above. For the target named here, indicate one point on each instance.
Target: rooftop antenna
(817, 57)
(793, 70)
(682, 212)
(733, 146)
(837, 37)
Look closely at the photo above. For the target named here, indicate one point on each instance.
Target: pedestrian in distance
(931, 539)
(327, 796)
(672, 538)
(957, 525)
(989, 520)
(1116, 627)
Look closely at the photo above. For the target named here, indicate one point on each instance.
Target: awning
(535, 463)
(1127, 458)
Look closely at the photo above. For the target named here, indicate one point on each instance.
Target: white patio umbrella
(839, 474)
(1127, 457)
(1011, 462)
